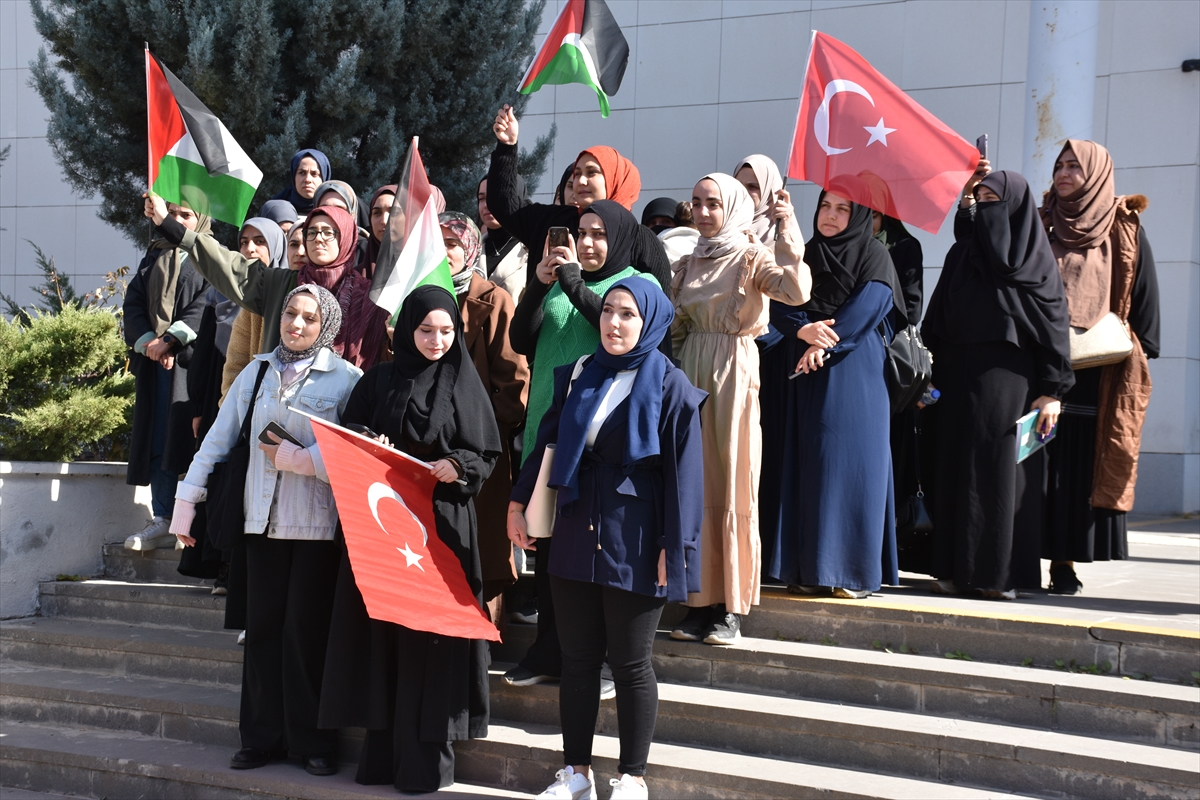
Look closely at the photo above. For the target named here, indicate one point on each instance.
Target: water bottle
(930, 397)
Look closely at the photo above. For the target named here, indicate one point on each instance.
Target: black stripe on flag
(202, 124)
(603, 38)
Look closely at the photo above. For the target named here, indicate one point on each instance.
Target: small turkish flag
(858, 135)
(406, 574)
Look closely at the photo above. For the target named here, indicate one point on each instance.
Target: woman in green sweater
(556, 323)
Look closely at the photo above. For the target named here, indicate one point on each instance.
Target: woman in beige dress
(721, 292)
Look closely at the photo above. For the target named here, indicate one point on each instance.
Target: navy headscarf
(645, 399)
(289, 192)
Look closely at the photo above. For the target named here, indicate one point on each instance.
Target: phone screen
(558, 237)
(981, 144)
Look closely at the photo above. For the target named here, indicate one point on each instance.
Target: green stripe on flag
(568, 66)
(438, 276)
(221, 197)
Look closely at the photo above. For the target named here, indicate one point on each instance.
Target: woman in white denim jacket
(292, 570)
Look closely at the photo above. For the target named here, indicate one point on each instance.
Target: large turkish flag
(406, 574)
(860, 136)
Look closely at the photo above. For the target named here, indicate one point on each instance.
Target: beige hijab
(735, 234)
(1081, 234)
(769, 182)
(164, 277)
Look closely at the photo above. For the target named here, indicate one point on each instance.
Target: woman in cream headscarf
(721, 291)
(772, 202)
(1106, 265)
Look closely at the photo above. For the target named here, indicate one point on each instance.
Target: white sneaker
(570, 785)
(157, 533)
(628, 789)
(242, 638)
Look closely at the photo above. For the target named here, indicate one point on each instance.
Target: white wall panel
(679, 64)
(957, 43)
(870, 30)
(763, 58)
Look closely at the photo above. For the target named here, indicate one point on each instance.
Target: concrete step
(918, 746)
(519, 758)
(102, 764)
(1144, 712)
(143, 604)
(152, 566)
(208, 657)
(191, 712)
(1135, 711)
(986, 631)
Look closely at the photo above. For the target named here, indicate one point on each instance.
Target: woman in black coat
(628, 468)
(417, 692)
(997, 327)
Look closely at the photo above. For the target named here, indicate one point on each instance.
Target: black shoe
(250, 758)
(520, 676)
(525, 615)
(694, 625)
(726, 629)
(1063, 580)
(321, 765)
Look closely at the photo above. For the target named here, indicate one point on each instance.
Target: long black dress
(416, 692)
(1074, 530)
(997, 326)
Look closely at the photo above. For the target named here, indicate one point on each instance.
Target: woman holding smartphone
(628, 468)
(997, 325)
(291, 556)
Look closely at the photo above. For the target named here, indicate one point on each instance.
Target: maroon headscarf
(367, 268)
(364, 324)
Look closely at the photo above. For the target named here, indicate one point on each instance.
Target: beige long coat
(720, 307)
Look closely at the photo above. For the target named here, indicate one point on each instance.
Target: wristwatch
(169, 340)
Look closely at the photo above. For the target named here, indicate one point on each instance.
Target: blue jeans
(162, 483)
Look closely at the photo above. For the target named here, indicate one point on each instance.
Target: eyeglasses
(312, 234)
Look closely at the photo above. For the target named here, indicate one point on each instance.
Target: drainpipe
(1060, 82)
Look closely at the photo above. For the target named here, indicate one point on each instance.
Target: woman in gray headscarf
(291, 557)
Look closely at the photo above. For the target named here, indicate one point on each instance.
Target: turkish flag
(858, 135)
(405, 572)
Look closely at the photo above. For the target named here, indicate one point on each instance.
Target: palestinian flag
(584, 46)
(412, 252)
(194, 160)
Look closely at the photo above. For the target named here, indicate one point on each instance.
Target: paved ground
(1158, 586)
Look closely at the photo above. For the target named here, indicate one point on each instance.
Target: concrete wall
(710, 81)
(53, 520)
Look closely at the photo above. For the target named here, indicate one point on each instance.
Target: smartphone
(280, 433)
(362, 430)
(981, 144)
(559, 237)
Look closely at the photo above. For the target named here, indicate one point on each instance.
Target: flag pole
(799, 104)
(149, 155)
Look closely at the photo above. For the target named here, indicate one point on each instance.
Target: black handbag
(908, 369)
(226, 503)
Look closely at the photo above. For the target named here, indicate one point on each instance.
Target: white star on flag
(411, 558)
(878, 133)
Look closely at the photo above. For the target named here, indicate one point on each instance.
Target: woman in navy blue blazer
(628, 467)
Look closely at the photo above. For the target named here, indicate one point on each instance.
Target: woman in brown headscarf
(1106, 265)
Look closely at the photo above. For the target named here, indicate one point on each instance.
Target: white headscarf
(735, 233)
(769, 182)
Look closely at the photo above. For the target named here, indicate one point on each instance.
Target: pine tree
(353, 78)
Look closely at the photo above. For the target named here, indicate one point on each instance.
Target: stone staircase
(126, 686)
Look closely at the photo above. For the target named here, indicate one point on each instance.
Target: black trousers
(593, 621)
(289, 601)
(544, 656)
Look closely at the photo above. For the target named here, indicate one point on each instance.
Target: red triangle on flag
(405, 572)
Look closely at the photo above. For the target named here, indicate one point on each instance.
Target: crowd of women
(705, 391)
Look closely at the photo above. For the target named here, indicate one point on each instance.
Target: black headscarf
(843, 262)
(621, 231)
(303, 205)
(1010, 242)
(559, 197)
(419, 397)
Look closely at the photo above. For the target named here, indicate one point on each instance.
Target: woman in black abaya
(416, 692)
(997, 326)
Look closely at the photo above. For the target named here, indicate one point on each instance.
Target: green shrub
(63, 383)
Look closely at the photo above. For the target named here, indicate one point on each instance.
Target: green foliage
(63, 383)
(960, 655)
(355, 79)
